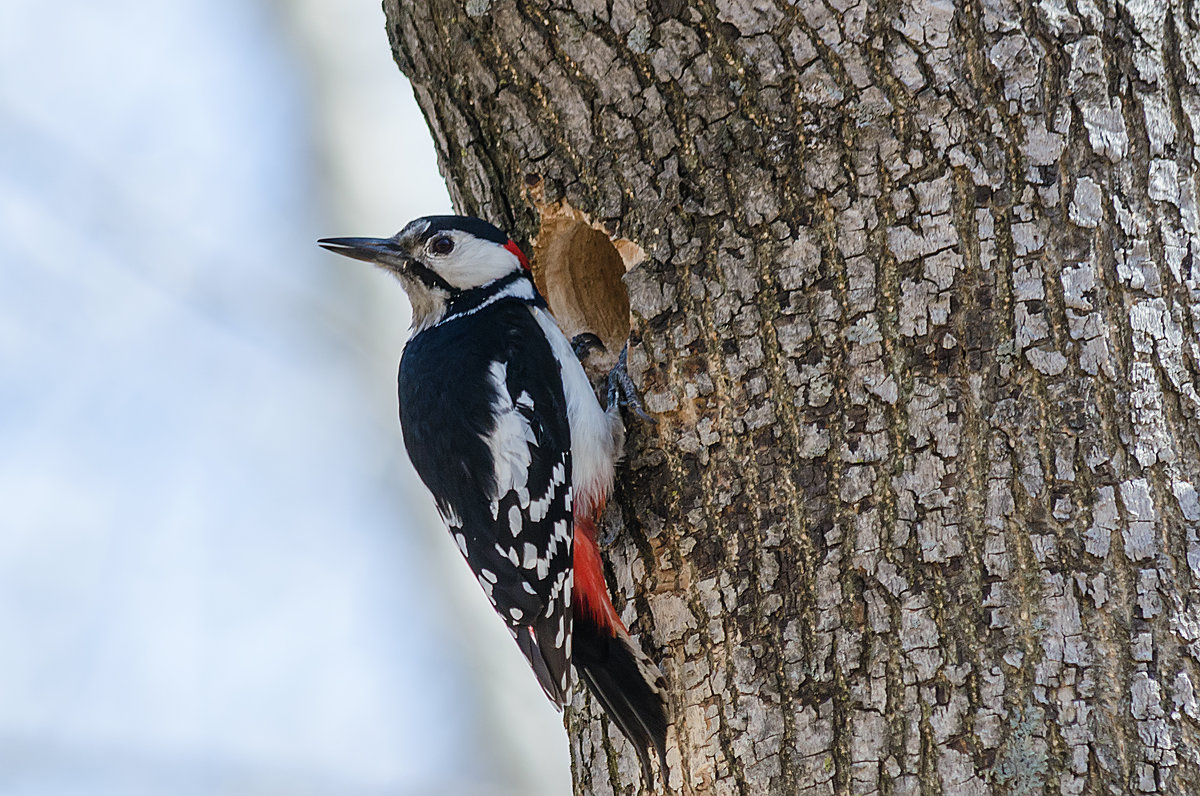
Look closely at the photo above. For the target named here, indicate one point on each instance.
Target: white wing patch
(509, 443)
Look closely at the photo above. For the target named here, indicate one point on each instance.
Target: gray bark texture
(913, 294)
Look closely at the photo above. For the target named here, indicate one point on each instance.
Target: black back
(447, 401)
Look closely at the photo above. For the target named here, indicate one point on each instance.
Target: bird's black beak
(371, 250)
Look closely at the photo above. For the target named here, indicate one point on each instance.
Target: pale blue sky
(217, 573)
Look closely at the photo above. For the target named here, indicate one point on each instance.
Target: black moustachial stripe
(430, 278)
(464, 301)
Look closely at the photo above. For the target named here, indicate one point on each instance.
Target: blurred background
(218, 573)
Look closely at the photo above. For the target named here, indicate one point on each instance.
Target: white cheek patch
(473, 262)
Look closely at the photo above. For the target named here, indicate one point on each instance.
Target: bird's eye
(442, 245)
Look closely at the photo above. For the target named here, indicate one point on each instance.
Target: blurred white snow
(218, 574)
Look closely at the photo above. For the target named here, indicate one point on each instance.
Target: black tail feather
(628, 686)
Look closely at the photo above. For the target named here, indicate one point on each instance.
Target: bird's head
(437, 258)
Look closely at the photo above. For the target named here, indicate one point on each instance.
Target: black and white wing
(485, 424)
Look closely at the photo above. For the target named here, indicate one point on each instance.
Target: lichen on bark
(919, 316)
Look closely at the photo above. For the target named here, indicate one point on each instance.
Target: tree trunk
(914, 297)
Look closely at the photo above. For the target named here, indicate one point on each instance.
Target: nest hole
(578, 269)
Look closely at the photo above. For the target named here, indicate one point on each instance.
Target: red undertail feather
(626, 682)
(590, 592)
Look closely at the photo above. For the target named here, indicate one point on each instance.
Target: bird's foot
(621, 390)
(583, 344)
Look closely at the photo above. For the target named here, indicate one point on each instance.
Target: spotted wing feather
(485, 424)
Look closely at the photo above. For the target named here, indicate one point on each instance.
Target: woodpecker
(505, 430)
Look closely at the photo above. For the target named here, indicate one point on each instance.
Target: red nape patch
(515, 249)
(589, 590)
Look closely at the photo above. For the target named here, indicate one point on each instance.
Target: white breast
(597, 435)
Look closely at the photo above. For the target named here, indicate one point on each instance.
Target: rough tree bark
(913, 293)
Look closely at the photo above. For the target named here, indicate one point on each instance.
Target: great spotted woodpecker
(504, 428)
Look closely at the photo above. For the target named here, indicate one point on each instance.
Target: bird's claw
(622, 391)
(584, 343)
